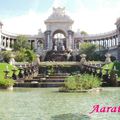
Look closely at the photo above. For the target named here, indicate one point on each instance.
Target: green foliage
(71, 83)
(90, 50)
(6, 55)
(111, 67)
(25, 55)
(83, 33)
(87, 48)
(6, 82)
(99, 56)
(82, 82)
(117, 65)
(29, 56)
(51, 70)
(3, 68)
(21, 43)
(108, 66)
(20, 56)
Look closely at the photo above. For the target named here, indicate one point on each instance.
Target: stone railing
(107, 78)
(22, 72)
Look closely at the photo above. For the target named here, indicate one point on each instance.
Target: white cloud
(92, 21)
(95, 21)
(25, 24)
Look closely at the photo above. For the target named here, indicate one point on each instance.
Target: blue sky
(27, 16)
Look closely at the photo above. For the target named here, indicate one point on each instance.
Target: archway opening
(59, 41)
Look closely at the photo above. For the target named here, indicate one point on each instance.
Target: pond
(48, 104)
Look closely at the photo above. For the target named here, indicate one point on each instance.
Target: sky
(27, 16)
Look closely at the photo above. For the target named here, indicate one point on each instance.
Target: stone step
(47, 80)
(52, 77)
(105, 84)
(60, 84)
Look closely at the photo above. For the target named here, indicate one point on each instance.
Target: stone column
(8, 42)
(115, 41)
(104, 43)
(1, 35)
(107, 43)
(118, 42)
(0, 40)
(12, 43)
(70, 42)
(35, 44)
(111, 42)
(5, 42)
(99, 45)
(49, 43)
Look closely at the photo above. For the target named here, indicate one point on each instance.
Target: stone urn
(108, 59)
(12, 60)
(83, 58)
(38, 58)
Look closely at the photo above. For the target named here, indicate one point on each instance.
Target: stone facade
(60, 36)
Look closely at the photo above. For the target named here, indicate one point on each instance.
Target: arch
(59, 31)
(59, 40)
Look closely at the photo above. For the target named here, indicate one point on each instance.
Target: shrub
(87, 48)
(21, 43)
(6, 55)
(82, 82)
(70, 83)
(20, 56)
(29, 56)
(25, 55)
(6, 82)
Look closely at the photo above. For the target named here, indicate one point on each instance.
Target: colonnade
(105, 43)
(7, 42)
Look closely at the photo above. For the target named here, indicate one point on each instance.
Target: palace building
(60, 38)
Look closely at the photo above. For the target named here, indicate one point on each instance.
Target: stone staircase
(41, 81)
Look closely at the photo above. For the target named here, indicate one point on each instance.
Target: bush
(20, 56)
(70, 83)
(25, 55)
(29, 56)
(21, 43)
(82, 82)
(6, 82)
(87, 48)
(6, 55)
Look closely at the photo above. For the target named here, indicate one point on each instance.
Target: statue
(63, 47)
(55, 48)
(59, 11)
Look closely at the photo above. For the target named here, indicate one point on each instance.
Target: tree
(6, 55)
(20, 55)
(83, 33)
(21, 43)
(30, 56)
(88, 49)
(25, 55)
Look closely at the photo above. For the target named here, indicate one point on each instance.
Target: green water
(48, 104)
